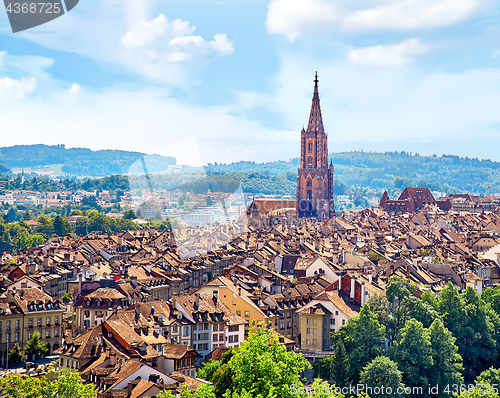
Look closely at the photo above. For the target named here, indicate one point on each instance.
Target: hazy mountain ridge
(364, 170)
(78, 161)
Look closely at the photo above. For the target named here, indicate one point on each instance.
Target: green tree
(129, 215)
(81, 226)
(428, 298)
(15, 354)
(61, 226)
(67, 297)
(45, 227)
(99, 223)
(262, 366)
(475, 341)
(363, 337)
(35, 346)
(447, 363)
(209, 368)
(382, 372)
(203, 391)
(65, 385)
(451, 309)
(412, 352)
(492, 297)
(223, 380)
(489, 376)
(339, 365)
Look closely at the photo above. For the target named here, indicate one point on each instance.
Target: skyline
(237, 79)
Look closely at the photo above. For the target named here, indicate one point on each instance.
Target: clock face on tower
(315, 175)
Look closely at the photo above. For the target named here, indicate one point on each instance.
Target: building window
(234, 302)
(30, 335)
(308, 342)
(314, 342)
(205, 326)
(308, 331)
(17, 337)
(30, 322)
(186, 331)
(238, 312)
(336, 312)
(309, 147)
(175, 329)
(282, 325)
(215, 338)
(8, 325)
(308, 321)
(247, 314)
(48, 320)
(215, 327)
(332, 321)
(47, 334)
(57, 320)
(343, 321)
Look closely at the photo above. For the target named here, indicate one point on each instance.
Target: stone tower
(315, 175)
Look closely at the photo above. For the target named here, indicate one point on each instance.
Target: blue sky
(222, 81)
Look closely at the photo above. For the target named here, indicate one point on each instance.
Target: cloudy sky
(222, 81)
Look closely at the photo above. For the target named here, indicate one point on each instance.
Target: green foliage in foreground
(381, 371)
(59, 385)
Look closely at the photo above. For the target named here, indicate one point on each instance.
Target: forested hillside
(381, 171)
(356, 173)
(79, 161)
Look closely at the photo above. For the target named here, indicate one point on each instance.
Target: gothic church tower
(315, 175)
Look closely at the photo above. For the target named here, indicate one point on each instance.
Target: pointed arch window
(309, 147)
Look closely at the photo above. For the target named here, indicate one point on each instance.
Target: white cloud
(388, 55)
(143, 120)
(385, 107)
(12, 88)
(413, 14)
(75, 88)
(297, 17)
(121, 33)
(293, 17)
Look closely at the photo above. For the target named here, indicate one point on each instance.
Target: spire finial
(316, 80)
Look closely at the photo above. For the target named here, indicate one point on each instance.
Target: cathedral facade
(315, 175)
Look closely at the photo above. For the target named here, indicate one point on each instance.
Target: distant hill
(389, 170)
(355, 172)
(78, 161)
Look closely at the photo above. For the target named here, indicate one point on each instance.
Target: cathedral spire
(315, 119)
